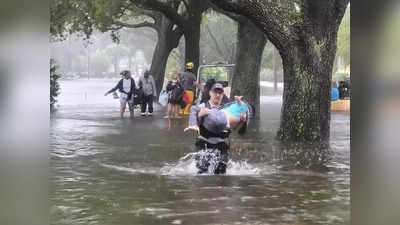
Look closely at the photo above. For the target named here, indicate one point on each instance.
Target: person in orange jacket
(189, 83)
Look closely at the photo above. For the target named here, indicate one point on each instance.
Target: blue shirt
(334, 94)
(236, 109)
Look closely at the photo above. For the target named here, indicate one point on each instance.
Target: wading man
(213, 128)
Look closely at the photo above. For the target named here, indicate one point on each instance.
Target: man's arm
(196, 112)
(193, 116)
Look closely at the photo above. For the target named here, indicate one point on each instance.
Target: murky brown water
(111, 171)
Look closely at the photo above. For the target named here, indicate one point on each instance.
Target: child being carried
(229, 116)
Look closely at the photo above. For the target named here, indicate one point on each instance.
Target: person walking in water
(175, 96)
(205, 90)
(148, 86)
(214, 122)
(188, 81)
(126, 87)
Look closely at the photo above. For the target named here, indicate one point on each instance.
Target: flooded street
(107, 170)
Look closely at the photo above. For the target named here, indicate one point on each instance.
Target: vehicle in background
(221, 72)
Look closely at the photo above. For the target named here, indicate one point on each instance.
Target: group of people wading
(213, 119)
(132, 96)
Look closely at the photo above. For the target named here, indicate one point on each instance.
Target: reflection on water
(111, 171)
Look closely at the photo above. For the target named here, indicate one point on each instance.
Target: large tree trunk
(305, 116)
(159, 63)
(305, 35)
(246, 77)
(192, 42)
(168, 39)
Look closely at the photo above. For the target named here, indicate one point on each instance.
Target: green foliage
(172, 63)
(340, 76)
(343, 42)
(270, 57)
(83, 16)
(54, 86)
(218, 73)
(218, 38)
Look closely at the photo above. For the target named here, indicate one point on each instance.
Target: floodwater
(107, 170)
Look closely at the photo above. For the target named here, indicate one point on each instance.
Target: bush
(54, 86)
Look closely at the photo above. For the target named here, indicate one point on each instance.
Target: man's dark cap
(217, 86)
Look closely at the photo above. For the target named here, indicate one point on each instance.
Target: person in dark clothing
(148, 87)
(175, 96)
(344, 89)
(126, 87)
(212, 138)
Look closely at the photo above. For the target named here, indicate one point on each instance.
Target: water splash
(187, 165)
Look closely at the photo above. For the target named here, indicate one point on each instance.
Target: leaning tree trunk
(168, 39)
(305, 34)
(159, 62)
(305, 116)
(246, 77)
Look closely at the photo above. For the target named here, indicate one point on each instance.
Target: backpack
(176, 93)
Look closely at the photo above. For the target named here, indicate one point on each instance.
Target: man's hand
(195, 128)
(204, 111)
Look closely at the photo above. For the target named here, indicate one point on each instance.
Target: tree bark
(192, 41)
(246, 77)
(307, 68)
(306, 41)
(168, 39)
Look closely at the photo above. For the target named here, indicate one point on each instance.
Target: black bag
(138, 96)
(177, 94)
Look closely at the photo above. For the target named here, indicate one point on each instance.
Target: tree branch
(138, 25)
(168, 10)
(177, 32)
(265, 15)
(152, 14)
